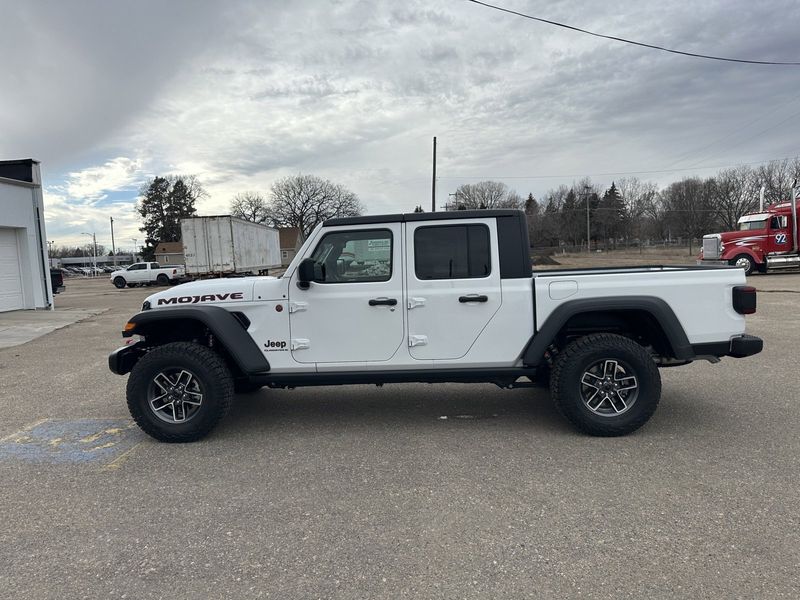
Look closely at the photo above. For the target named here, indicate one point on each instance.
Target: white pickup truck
(147, 273)
(441, 297)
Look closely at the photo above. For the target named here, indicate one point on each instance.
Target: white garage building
(24, 275)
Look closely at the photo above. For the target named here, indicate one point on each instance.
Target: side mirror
(307, 272)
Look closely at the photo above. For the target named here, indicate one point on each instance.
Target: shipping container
(225, 245)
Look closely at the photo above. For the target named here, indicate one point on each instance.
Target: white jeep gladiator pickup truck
(147, 273)
(430, 297)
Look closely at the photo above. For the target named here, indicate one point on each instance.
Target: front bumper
(122, 360)
(707, 262)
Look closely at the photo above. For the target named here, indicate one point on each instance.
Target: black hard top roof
(424, 216)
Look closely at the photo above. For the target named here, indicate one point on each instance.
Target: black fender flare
(656, 307)
(225, 327)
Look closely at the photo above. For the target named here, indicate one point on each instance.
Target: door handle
(383, 302)
(473, 298)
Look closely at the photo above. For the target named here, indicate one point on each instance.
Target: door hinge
(300, 343)
(297, 306)
(414, 302)
(417, 340)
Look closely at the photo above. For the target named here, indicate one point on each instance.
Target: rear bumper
(738, 347)
(745, 345)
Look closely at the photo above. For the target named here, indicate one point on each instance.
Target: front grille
(711, 247)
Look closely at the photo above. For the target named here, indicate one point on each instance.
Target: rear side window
(452, 252)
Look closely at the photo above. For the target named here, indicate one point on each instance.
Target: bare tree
(487, 194)
(638, 199)
(251, 206)
(777, 176)
(735, 192)
(304, 201)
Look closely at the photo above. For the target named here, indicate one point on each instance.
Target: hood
(206, 291)
(742, 236)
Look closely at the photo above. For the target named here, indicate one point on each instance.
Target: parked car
(57, 280)
(147, 273)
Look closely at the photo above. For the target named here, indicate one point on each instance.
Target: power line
(739, 129)
(626, 41)
(610, 173)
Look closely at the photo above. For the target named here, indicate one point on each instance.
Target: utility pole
(588, 230)
(433, 183)
(113, 247)
(134, 240)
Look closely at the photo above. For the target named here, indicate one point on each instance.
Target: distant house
(170, 253)
(290, 242)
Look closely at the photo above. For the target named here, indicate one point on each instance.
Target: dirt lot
(364, 492)
(623, 258)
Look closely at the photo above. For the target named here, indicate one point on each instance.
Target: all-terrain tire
(630, 364)
(119, 282)
(213, 382)
(162, 279)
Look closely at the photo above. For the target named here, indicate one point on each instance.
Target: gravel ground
(364, 492)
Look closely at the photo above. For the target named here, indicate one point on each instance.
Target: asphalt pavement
(365, 492)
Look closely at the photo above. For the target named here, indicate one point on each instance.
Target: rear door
(453, 285)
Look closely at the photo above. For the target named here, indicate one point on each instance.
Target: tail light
(744, 299)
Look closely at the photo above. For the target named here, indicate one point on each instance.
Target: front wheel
(745, 262)
(178, 392)
(605, 384)
(119, 283)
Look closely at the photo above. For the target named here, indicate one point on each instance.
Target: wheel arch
(213, 326)
(650, 318)
(735, 251)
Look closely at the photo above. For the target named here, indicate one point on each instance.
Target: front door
(453, 286)
(353, 311)
(780, 236)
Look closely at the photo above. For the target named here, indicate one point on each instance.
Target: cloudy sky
(108, 94)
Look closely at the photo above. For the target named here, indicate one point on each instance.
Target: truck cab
(764, 241)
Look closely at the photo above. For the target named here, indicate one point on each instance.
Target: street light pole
(134, 240)
(94, 258)
(113, 247)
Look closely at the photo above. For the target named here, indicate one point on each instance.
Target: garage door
(10, 280)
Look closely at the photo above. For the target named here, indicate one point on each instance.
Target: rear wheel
(178, 392)
(745, 262)
(162, 279)
(605, 384)
(119, 282)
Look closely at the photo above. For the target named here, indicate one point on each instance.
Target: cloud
(94, 183)
(242, 93)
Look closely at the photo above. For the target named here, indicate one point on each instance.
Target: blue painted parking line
(71, 441)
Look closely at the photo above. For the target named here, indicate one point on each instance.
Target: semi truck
(765, 240)
(226, 246)
(430, 297)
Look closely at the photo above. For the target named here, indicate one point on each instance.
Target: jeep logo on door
(203, 298)
(274, 346)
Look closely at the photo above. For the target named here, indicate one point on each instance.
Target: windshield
(750, 225)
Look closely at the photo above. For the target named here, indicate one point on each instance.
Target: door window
(137, 267)
(452, 252)
(354, 256)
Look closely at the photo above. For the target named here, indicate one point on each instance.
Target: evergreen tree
(610, 216)
(163, 202)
